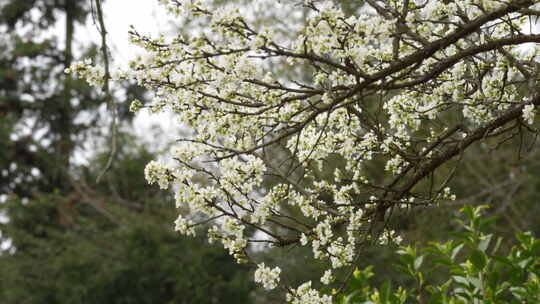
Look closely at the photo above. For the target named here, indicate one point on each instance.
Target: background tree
(67, 239)
(113, 244)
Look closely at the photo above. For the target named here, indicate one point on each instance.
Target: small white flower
(529, 113)
(156, 172)
(303, 239)
(184, 226)
(135, 106)
(304, 294)
(327, 277)
(266, 276)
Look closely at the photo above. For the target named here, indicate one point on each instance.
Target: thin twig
(106, 90)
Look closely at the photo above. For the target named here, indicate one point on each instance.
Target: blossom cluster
(269, 278)
(94, 75)
(342, 122)
(306, 294)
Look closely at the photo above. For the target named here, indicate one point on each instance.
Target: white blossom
(285, 128)
(184, 226)
(304, 294)
(327, 277)
(269, 278)
(135, 106)
(157, 172)
(529, 113)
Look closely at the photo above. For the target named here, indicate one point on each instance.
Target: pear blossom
(529, 113)
(313, 136)
(269, 278)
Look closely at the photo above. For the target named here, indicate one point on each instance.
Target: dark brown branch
(450, 61)
(474, 136)
(106, 90)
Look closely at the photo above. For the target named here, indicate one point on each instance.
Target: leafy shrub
(475, 270)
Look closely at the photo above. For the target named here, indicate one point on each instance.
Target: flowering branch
(374, 104)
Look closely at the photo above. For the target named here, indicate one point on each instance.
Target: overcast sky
(148, 17)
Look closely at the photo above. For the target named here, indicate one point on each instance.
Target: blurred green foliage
(66, 250)
(474, 268)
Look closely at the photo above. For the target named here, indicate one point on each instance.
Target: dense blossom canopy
(393, 93)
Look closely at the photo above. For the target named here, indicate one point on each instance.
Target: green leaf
(485, 224)
(497, 245)
(360, 277)
(535, 248)
(518, 292)
(348, 298)
(478, 259)
(462, 281)
(357, 274)
(502, 288)
(386, 291)
(525, 239)
(456, 250)
(418, 262)
(525, 263)
(468, 210)
(443, 261)
(503, 260)
(475, 282)
(484, 242)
